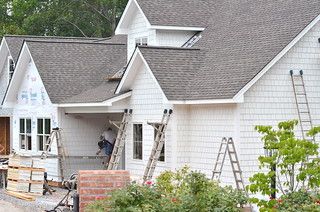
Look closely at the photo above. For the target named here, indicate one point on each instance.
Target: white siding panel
(200, 131)
(33, 102)
(148, 103)
(271, 99)
(138, 28)
(173, 38)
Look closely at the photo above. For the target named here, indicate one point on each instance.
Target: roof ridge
(72, 42)
(169, 48)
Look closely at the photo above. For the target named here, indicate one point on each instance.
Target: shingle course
(15, 41)
(241, 38)
(68, 69)
(185, 13)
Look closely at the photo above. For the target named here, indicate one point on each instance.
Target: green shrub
(179, 191)
(293, 163)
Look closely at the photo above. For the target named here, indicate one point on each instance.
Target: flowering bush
(183, 190)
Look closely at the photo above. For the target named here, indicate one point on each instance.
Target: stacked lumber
(21, 196)
(25, 175)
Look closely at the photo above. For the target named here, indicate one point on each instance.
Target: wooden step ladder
(55, 135)
(160, 129)
(227, 146)
(120, 140)
(302, 104)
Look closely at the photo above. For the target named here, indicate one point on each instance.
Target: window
(162, 155)
(43, 132)
(137, 141)
(142, 41)
(10, 68)
(25, 134)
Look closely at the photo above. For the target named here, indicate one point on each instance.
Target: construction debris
(21, 195)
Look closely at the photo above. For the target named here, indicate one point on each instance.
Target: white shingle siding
(172, 38)
(271, 99)
(200, 130)
(33, 102)
(137, 29)
(148, 103)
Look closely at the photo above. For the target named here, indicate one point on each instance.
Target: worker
(107, 140)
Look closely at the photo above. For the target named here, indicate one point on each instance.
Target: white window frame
(134, 142)
(141, 41)
(163, 150)
(10, 73)
(25, 134)
(44, 135)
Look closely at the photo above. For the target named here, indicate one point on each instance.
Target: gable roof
(241, 38)
(174, 69)
(182, 13)
(15, 41)
(68, 69)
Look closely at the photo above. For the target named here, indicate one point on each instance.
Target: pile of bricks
(98, 184)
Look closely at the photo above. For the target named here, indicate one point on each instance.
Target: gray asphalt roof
(185, 13)
(68, 69)
(15, 41)
(102, 92)
(241, 38)
(174, 68)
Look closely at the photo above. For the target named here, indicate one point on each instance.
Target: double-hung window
(25, 134)
(137, 141)
(43, 133)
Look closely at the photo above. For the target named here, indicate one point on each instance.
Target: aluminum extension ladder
(227, 145)
(302, 103)
(158, 144)
(56, 135)
(120, 140)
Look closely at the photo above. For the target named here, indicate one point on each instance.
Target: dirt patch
(8, 206)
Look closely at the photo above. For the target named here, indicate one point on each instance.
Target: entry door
(4, 135)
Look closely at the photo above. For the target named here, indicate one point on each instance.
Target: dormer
(145, 25)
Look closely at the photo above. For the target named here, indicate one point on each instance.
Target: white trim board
(19, 63)
(277, 58)
(129, 9)
(202, 102)
(177, 28)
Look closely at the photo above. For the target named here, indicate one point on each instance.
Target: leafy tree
(296, 160)
(94, 18)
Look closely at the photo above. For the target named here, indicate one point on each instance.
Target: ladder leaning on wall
(302, 104)
(160, 129)
(227, 146)
(55, 135)
(120, 140)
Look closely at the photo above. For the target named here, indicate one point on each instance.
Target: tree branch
(96, 10)
(73, 24)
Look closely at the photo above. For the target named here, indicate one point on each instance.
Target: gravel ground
(42, 203)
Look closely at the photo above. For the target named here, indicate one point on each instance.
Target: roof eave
(206, 101)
